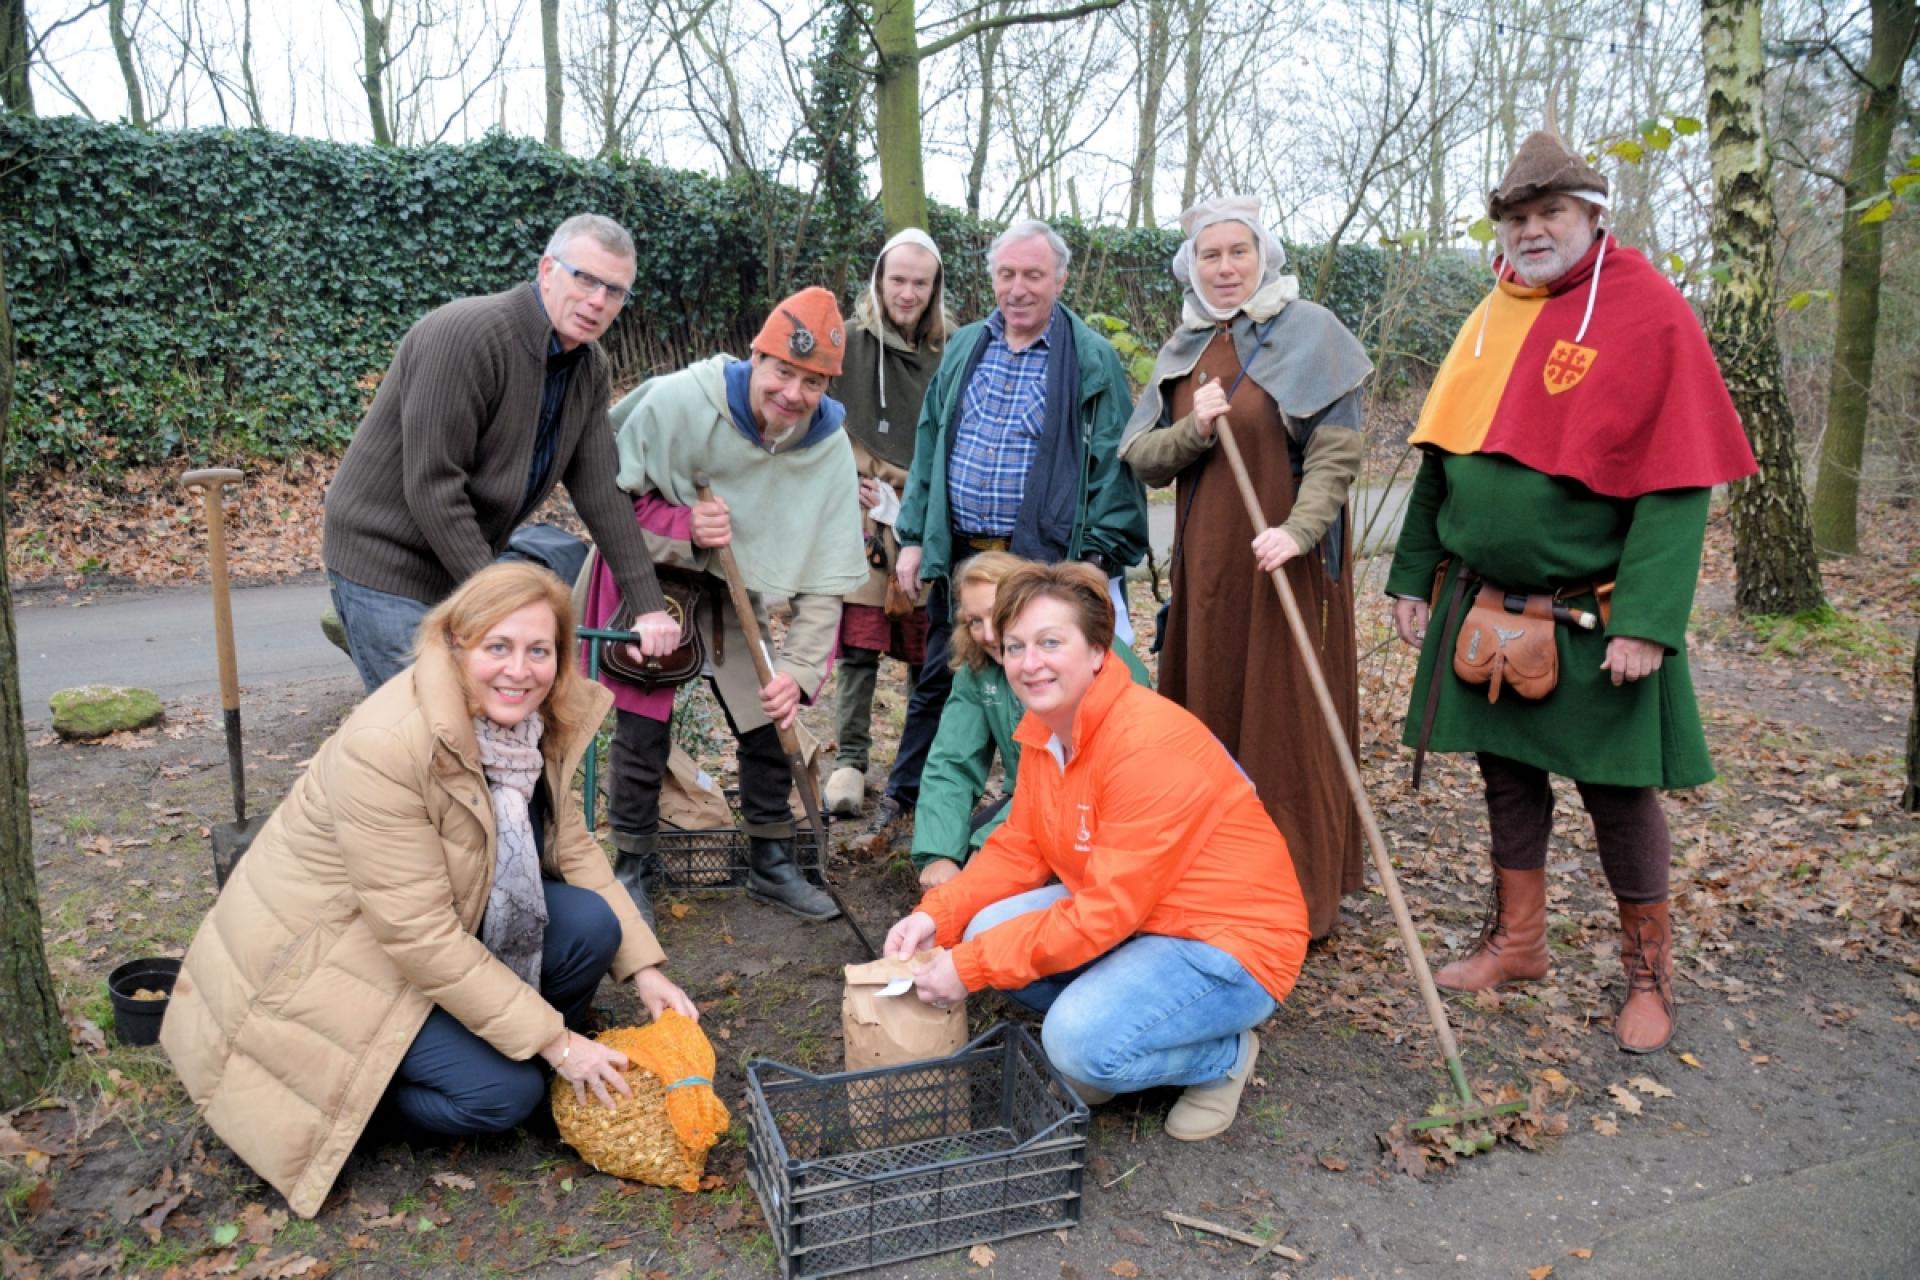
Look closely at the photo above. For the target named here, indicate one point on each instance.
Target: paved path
(163, 640)
(1852, 1218)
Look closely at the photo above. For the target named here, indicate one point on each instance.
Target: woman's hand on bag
(1273, 548)
(659, 993)
(938, 983)
(1631, 659)
(938, 872)
(659, 636)
(1209, 405)
(780, 699)
(910, 935)
(587, 1064)
(1410, 620)
(712, 525)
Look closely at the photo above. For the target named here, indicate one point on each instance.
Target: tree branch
(973, 29)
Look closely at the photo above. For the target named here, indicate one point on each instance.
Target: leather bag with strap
(1507, 642)
(685, 593)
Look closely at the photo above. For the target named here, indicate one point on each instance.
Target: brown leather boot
(1513, 941)
(1644, 1023)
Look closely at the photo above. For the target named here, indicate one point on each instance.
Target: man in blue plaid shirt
(1017, 449)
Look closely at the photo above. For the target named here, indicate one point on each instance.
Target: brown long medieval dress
(1229, 658)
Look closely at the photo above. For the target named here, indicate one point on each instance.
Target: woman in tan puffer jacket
(425, 913)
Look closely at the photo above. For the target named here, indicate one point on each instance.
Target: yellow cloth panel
(1466, 392)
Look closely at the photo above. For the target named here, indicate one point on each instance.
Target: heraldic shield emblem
(1567, 363)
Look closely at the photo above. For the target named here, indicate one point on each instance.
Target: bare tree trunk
(373, 31)
(896, 102)
(1775, 568)
(16, 90)
(123, 54)
(1856, 323)
(1193, 68)
(36, 1039)
(249, 87)
(983, 134)
(1153, 53)
(556, 88)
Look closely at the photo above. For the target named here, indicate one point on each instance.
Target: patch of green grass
(138, 1257)
(79, 824)
(758, 1249)
(1269, 1116)
(1825, 630)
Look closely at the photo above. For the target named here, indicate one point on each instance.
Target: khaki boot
(1207, 1110)
(1513, 940)
(1645, 1021)
(846, 791)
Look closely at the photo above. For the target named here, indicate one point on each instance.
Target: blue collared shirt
(1002, 413)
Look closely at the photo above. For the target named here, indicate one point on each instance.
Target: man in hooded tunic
(1226, 653)
(894, 345)
(1571, 441)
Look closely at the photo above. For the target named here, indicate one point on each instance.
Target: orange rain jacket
(1152, 828)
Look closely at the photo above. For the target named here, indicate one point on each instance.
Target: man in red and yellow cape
(1570, 442)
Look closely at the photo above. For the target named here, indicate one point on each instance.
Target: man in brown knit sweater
(488, 403)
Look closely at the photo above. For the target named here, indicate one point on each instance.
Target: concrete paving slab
(1854, 1219)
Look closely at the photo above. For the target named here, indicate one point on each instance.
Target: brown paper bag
(689, 798)
(885, 1031)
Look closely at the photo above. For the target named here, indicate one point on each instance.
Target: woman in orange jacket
(1176, 925)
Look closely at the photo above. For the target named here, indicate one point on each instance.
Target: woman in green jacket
(977, 722)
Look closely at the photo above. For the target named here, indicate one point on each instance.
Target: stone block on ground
(96, 710)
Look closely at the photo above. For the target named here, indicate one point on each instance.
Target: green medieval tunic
(1534, 532)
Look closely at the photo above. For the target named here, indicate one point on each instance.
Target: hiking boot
(1644, 1023)
(1513, 939)
(637, 867)
(773, 878)
(890, 820)
(846, 791)
(1207, 1110)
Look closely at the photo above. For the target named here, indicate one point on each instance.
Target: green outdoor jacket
(1111, 514)
(978, 720)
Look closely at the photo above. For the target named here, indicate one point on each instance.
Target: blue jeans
(1153, 1011)
(453, 1084)
(380, 628)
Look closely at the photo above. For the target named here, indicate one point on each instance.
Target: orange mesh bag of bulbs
(661, 1134)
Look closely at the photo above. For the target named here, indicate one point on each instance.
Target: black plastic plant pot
(136, 1020)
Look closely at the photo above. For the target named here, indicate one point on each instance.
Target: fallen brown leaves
(1418, 1152)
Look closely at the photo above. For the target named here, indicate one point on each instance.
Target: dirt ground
(1799, 1041)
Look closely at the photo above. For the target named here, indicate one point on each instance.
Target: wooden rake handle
(1409, 937)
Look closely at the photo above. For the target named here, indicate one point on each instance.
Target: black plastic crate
(866, 1168)
(717, 859)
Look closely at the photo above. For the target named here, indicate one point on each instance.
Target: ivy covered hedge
(226, 293)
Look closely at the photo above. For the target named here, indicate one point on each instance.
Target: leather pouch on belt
(1502, 648)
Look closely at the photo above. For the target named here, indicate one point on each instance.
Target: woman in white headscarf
(1288, 374)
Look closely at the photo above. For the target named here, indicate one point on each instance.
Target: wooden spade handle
(213, 481)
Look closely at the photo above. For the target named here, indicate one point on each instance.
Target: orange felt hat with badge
(805, 330)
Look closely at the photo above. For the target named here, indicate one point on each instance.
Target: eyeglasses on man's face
(592, 284)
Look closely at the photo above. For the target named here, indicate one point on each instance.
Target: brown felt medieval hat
(1542, 165)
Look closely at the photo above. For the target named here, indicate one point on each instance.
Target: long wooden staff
(1409, 937)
